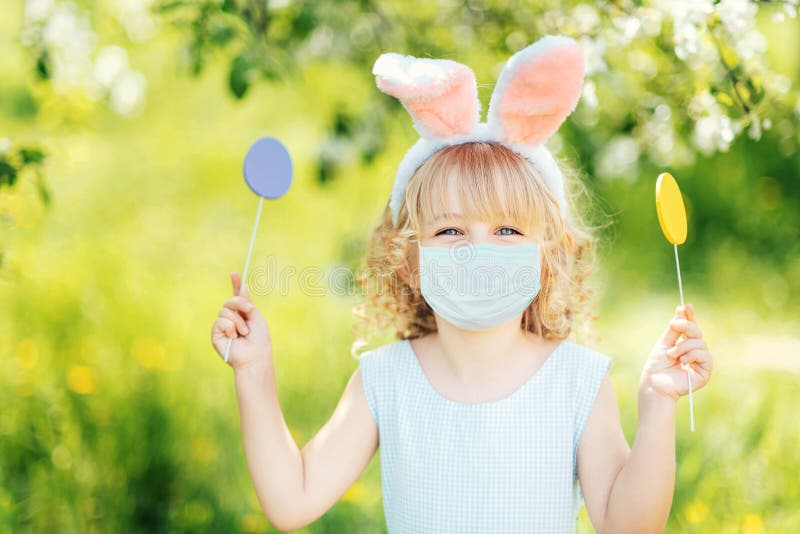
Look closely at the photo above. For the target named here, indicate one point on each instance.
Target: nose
(478, 232)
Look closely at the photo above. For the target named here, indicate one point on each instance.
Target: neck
(471, 354)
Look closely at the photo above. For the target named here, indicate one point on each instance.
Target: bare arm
(631, 490)
(628, 490)
(296, 487)
(639, 496)
(602, 453)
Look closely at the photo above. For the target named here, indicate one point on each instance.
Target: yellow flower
(254, 523)
(355, 493)
(696, 512)
(149, 352)
(203, 449)
(752, 524)
(27, 353)
(81, 379)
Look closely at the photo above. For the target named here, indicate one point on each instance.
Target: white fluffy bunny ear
(538, 88)
(440, 94)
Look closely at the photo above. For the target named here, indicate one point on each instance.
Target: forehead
(454, 200)
(488, 193)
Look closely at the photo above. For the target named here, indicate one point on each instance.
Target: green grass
(117, 416)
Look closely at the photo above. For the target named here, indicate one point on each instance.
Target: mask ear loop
(525, 319)
(419, 259)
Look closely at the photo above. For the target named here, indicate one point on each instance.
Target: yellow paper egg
(671, 212)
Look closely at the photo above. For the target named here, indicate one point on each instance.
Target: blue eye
(443, 232)
(508, 228)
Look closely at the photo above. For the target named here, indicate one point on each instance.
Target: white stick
(689, 368)
(247, 261)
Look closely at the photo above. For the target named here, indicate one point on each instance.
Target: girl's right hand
(240, 320)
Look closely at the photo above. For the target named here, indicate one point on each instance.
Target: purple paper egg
(268, 168)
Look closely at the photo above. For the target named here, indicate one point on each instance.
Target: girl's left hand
(666, 368)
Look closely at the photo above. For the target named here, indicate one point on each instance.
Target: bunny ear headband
(538, 88)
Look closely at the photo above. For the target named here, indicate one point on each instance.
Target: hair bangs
(487, 181)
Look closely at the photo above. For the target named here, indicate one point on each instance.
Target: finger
(226, 326)
(236, 281)
(699, 356)
(250, 311)
(682, 312)
(238, 303)
(685, 346)
(671, 335)
(686, 327)
(237, 319)
(689, 312)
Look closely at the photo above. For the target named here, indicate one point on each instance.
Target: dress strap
(379, 376)
(592, 367)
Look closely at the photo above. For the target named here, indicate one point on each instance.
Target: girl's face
(451, 227)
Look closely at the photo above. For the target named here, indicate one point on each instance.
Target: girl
(488, 418)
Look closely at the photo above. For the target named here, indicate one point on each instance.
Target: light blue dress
(505, 466)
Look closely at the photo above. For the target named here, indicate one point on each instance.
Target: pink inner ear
(453, 112)
(541, 94)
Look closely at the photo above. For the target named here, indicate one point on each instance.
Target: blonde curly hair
(492, 182)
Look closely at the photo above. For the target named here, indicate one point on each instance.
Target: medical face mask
(479, 286)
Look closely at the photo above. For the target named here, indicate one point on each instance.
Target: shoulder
(584, 361)
(382, 355)
(379, 369)
(382, 363)
(589, 370)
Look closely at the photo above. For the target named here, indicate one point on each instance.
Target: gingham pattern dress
(504, 466)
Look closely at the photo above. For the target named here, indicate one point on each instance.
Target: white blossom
(701, 104)
(618, 158)
(737, 15)
(714, 132)
(275, 5)
(593, 51)
(36, 10)
(127, 92)
(627, 29)
(134, 15)
(777, 83)
(588, 94)
(585, 17)
(688, 18)
(754, 132)
(65, 32)
(110, 63)
(651, 20)
(643, 62)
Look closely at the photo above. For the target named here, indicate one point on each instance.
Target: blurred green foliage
(118, 416)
